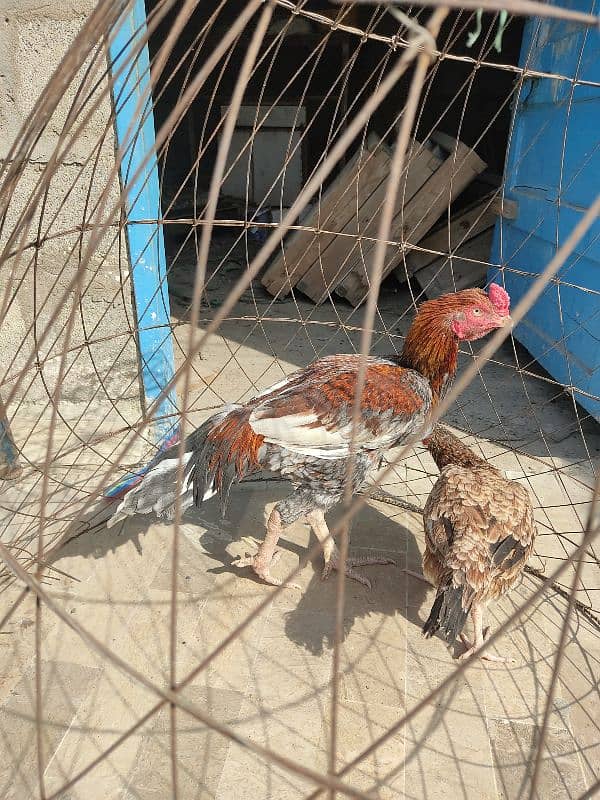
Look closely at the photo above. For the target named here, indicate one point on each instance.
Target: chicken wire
(71, 388)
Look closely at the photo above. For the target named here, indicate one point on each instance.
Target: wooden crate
(445, 239)
(358, 235)
(460, 166)
(466, 267)
(336, 206)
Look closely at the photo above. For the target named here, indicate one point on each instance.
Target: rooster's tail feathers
(127, 483)
(211, 460)
(224, 455)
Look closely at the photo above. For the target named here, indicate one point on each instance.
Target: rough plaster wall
(33, 38)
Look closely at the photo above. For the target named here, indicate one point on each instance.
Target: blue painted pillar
(132, 98)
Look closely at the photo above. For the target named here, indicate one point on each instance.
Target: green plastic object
(474, 35)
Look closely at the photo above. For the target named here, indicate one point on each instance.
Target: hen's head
(471, 314)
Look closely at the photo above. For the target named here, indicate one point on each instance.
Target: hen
(479, 534)
(301, 427)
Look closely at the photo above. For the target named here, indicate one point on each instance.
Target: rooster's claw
(262, 570)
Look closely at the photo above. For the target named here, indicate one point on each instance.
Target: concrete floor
(273, 684)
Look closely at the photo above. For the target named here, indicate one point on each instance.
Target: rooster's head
(472, 314)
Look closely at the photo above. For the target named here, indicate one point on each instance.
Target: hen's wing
(311, 413)
(511, 534)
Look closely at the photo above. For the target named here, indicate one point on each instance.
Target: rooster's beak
(504, 320)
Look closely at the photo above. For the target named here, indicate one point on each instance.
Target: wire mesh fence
(200, 200)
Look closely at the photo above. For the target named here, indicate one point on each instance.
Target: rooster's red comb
(500, 299)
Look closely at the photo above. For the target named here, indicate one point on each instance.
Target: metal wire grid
(45, 527)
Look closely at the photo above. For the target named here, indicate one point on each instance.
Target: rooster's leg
(262, 560)
(316, 520)
(480, 636)
(331, 556)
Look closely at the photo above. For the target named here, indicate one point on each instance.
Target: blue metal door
(553, 173)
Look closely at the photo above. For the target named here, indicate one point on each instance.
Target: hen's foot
(473, 650)
(418, 576)
(262, 568)
(359, 561)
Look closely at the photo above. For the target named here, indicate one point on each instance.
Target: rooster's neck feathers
(431, 348)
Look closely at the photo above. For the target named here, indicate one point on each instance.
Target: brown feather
(329, 384)
(234, 443)
(479, 525)
(430, 346)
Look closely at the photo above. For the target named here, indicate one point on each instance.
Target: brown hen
(479, 534)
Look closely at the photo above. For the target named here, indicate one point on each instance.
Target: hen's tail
(222, 450)
(449, 612)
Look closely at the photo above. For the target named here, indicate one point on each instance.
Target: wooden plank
(335, 262)
(370, 180)
(465, 225)
(453, 273)
(455, 174)
(302, 248)
(424, 165)
(417, 217)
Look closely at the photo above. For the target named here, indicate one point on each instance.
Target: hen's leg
(262, 560)
(331, 555)
(480, 636)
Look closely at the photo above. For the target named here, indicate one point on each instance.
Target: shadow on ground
(372, 533)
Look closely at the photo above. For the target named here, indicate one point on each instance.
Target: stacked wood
(455, 256)
(335, 207)
(416, 217)
(357, 238)
(335, 249)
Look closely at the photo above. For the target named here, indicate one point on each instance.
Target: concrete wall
(34, 37)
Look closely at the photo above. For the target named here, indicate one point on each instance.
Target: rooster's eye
(476, 312)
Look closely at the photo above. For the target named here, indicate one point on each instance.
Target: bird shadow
(311, 621)
(309, 615)
(89, 537)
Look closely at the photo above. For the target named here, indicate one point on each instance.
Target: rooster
(301, 428)
(479, 534)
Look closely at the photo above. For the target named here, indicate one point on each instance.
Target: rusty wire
(103, 218)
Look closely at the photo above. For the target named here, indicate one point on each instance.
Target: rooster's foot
(262, 568)
(358, 561)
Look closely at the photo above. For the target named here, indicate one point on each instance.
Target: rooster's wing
(311, 413)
